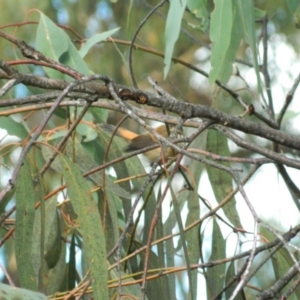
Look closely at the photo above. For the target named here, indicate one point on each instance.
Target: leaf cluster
(82, 217)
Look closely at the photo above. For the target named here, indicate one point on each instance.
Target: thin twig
(134, 37)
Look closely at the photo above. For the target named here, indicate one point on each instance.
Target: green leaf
(258, 13)
(192, 235)
(13, 127)
(38, 249)
(246, 12)
(281, 262)
(97, 38)
(53, 243)
(297, 17)
(86, 162)
(72, 264)
(90, 226)
(74, 60)
(13, 293)
(220, 34)
(25, 211)
(216, 274)
(99, 114)
(134, 290)
(220, 180)
(293, 5)
(56, 277)
(226, 37)
(86, 131)
(158, 288)
(53, 42)
(172, 30)
(112, 221)
(230, 275)
(199, 9)
(52, 235)
(193, 205)
(170, 254)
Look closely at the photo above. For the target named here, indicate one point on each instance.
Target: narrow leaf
(199, 8)
(97, 38)
(72, 264)
(13, 128)
(220, 180)
(172, 30)
(25, 211)
(56, 277)
(90, 226)
(216, 274)
(192, 236)
(292, 5)
(51, 41)
(247, 13)
(13, 293)
(226, 39)
(225, 36)
(56, 44)
(230, 276)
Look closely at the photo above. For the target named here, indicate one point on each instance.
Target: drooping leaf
(132, 291)
(53, 244)
(13, 293)
(86, 131)
(192, 235)
(99, 114)
(225, 36)
(281, 262)
(230, 275)
(56, 276)
(220, 180)
(172, 30)
(90, 226)
(293, 5)
(193, 206)
(247, 14)
(52, 42)
(199, 9)
(258, 13)
(97, 38)
(13, 127)
(38, 249)
(86, 162)
(216, 274)
(72, 264)
(25, 211)
(56, 44)
(297, 17)
(52, 236)
(156, 289)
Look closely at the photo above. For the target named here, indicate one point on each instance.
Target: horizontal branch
(169, 103)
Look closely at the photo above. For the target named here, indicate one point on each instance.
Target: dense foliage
(82, 216)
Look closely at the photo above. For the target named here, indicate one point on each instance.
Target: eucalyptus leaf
(25, 212)
(218, 251)
(172, 30)
(97, 38)
(14, 293)
(56, 44)
(90, 225)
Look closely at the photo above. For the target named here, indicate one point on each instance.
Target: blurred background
(82, 19)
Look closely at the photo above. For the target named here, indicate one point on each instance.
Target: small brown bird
(140, 141)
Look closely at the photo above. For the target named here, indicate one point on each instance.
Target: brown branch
(279, 285)
(171, 104)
